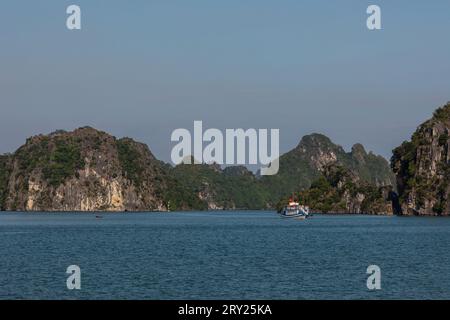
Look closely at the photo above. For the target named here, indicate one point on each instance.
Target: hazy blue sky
(144, 68)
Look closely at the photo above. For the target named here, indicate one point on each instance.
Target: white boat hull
(294, 216)
(294, 210)
(298, 214)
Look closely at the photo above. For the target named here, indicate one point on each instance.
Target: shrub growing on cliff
(442, 113)
(443, 138)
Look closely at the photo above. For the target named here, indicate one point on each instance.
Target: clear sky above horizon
(144, 68)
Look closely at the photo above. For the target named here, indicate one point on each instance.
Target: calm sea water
(226, 255)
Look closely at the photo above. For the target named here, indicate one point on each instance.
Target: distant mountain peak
(315, 140)
(358, 148)
(317, 145)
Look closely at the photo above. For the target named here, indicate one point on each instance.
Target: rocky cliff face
(321, 152)
(87, 170)
(422, 167)
(339, 190)
(300, 167)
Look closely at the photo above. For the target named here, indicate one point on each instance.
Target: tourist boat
(295, 210)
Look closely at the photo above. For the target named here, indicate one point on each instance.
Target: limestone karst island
(90, 170)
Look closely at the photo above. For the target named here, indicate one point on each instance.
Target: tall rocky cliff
(87, 170)
(422, 167)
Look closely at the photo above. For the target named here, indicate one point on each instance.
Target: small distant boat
(98, 217)
(295, 210)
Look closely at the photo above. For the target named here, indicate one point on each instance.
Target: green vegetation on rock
(129, 158)
(222, 189)
(64, 161)
(300, 167)
(338, 190)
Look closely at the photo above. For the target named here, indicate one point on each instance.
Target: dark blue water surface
(226, 255)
